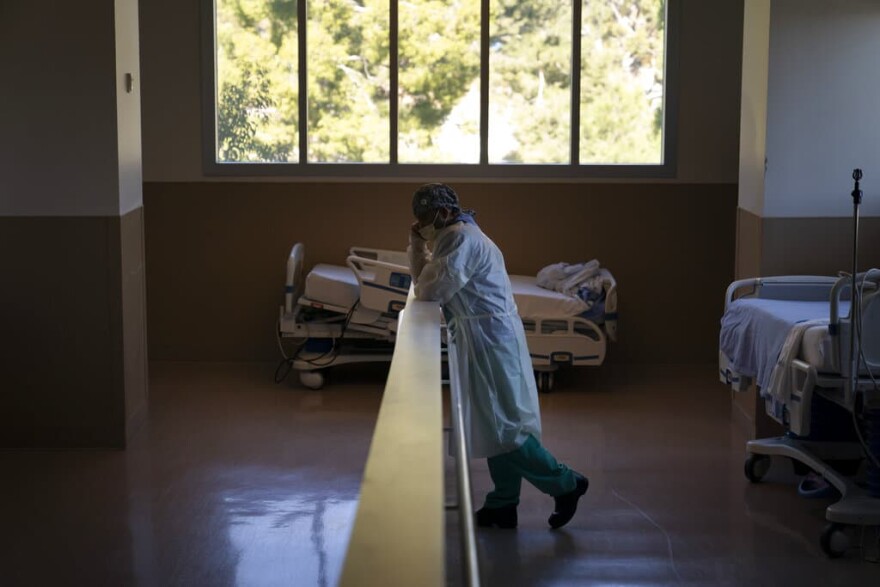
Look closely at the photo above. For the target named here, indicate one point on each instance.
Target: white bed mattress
(338, 286)
(332, 285)
(534, 302)
(753, 332)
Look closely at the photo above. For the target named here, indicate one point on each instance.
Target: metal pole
(465, 508)
(853, 310)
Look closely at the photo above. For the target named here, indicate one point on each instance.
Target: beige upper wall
(822, 113)
(708, 125)
(128, 106)
(753, 108)
(57, 109)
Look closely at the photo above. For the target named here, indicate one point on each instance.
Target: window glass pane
(348, 86)
(530, 82)
(256, 81)
(439, 81)
(622, 56)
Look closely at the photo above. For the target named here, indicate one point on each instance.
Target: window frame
(483, 170)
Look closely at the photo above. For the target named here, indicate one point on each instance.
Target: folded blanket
(582, 280)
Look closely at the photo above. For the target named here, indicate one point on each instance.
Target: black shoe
(503, 517)
(566, 505)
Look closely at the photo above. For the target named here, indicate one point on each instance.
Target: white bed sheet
(533, 301)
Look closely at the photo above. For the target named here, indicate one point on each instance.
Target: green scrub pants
(532, 462)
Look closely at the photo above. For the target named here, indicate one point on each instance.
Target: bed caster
(834, 540)
(544, 381)
(756, 467)
(311, 379)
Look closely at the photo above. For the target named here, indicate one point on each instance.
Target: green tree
(439, 62)
(349, 82)
(622, 81)
(530, 63)
(257, 80)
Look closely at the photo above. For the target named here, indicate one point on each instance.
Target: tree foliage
(438, 80)
(622, 81)
(530, 80)
(439, 63)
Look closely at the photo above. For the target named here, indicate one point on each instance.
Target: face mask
(429, 231)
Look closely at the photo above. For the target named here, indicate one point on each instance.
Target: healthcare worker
(454, 263)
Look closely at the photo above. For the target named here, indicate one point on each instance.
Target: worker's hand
(414, 230)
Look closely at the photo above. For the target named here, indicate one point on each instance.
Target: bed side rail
(383, 255)
(384, 285)
(871, 328)
(609, 284)
(785, 287)
(868, 284)
(293, 282)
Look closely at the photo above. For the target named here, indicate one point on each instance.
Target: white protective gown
(465, 272)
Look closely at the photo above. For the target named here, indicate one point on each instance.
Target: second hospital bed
(816, 365)
(347, 314)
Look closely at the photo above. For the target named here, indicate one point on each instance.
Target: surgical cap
(433, 196)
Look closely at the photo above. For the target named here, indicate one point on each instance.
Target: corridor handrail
(399, 531)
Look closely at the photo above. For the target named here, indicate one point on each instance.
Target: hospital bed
(812, 359)
(347, 314)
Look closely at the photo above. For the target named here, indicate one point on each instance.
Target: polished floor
(236, 481)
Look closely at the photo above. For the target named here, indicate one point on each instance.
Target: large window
(475, 88)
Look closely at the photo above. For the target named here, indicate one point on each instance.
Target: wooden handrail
(399, 531)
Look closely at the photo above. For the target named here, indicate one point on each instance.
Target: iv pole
(854, 353)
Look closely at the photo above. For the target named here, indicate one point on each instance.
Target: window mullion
(302, 101)
(484, 81)
(576, 18)
(393, 80)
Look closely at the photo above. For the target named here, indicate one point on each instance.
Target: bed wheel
(544, 380)
(311, 379)
(834, 540)
(800, 469)
(756, 467)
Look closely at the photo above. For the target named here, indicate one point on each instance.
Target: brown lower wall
(71, 375)
(748, 244)
(817, 246)
(216, 254)
(748, 264)
(133, 312)
(803, 246)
